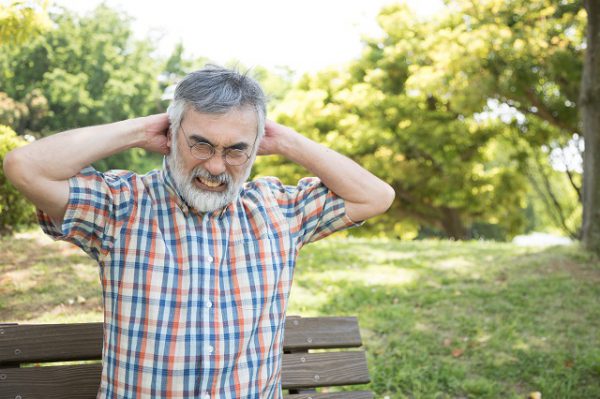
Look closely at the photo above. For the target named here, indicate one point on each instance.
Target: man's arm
(41, 170)
(365, 195)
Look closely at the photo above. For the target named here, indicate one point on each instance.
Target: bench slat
(53, 382)
(83, 341)
(311, 370)
(321, 333)
(82, 381)
(50, 342)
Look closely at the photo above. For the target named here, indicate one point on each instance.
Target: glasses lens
(202, 151)
(235, 157)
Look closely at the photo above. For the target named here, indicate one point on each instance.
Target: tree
(590, 117)
(89, 70)
(524, 57)
(21, 20)
(15, 209)
(450, 170)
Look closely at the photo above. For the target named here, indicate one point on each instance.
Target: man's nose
(216, 164)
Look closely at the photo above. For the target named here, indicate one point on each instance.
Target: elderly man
(196, 263)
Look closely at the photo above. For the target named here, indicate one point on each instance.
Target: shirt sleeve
(312, 210)
(99, 203)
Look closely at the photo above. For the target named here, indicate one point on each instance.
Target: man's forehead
(236, 126)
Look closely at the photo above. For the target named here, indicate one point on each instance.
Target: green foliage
(419, 108)
(88, 70)
(526, 56)
(443, 165)
(555, 205)
(19, 20)
(26, 116)
(275, 83)
(15, 210)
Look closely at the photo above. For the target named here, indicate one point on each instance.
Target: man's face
(211, 184)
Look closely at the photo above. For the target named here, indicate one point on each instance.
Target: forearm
(41, 169)
(60, 156)
(365, 194)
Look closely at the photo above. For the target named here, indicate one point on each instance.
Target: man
(196, 263)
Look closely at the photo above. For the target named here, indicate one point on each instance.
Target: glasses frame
(213, 149)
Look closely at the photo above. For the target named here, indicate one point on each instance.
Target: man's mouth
(210, 185)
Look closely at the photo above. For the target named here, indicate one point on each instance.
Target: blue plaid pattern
(194, 304)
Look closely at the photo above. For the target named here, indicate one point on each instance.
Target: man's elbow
(391, 193)
(12, 166)
(386, 198)
(378, 201)
(19, 171)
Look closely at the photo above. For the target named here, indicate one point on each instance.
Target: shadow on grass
(40, 278)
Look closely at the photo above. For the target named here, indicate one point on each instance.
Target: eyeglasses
(204, 151)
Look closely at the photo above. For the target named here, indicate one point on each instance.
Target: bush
(15, 210)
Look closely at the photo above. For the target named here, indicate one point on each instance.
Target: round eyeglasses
(204, 151)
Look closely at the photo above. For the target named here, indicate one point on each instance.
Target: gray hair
(216, 90)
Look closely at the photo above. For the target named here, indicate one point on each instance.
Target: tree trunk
(590, 117)
(453, 225)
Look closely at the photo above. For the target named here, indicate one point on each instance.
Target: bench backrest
(25, 345)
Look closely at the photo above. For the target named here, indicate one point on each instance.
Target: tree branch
(544, 112)
(557, 206)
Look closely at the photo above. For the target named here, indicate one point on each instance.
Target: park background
(470, 110)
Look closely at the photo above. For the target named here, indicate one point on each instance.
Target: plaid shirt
(194, 304)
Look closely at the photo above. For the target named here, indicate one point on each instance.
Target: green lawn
(440, 319)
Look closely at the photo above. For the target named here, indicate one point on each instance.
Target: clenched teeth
(209, 183)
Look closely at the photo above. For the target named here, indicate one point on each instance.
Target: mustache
(198, 171)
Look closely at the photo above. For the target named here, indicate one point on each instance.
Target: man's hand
(274, 138)
(41, 170)
(365, 195)
(155, 129)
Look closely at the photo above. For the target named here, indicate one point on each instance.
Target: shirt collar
(172, 189)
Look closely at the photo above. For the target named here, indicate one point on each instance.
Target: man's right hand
(155, 129)
(41, 170)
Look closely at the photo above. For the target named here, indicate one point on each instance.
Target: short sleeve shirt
(194, 303)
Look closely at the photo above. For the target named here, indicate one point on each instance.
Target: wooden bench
(302, 371)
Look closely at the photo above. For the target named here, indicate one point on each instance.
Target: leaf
(457, 352)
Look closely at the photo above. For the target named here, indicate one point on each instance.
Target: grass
(439, 319)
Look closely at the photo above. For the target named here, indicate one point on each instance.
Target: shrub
(15, 210)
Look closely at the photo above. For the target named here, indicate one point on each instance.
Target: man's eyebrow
(196, 138)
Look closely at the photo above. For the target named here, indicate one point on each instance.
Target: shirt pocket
(256, 274)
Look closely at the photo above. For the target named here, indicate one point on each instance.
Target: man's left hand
(275, 135)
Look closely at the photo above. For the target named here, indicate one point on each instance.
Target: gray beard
(204, 201)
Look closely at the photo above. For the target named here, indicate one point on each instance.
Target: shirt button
(206, 396)
(210, 348)
(209, 258)
(209, 304)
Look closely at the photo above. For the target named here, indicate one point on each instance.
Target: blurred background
(470, 109)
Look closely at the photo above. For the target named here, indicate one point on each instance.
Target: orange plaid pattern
(194, 304)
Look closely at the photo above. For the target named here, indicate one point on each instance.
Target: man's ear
(169, 133)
